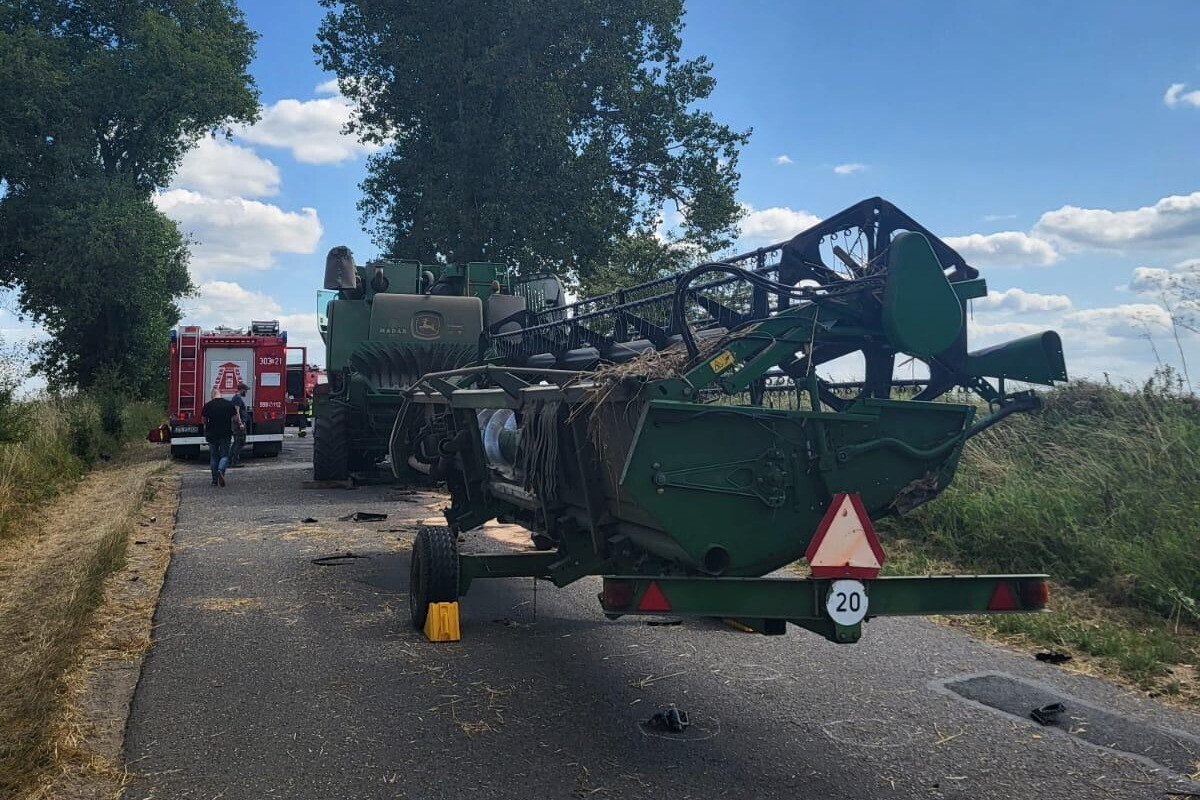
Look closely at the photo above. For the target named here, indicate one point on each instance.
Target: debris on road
(1047, 714)
(671, 718)
(336, 560)
(309, 519)
(364, 516)
(1053, 657)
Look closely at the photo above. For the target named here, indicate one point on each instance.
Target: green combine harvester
(676, 438)
(384, 326)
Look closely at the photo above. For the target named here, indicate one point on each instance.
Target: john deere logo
(427, 325)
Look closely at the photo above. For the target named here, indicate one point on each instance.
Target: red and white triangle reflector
(1003, 598)
(653, 599)
(845, 544)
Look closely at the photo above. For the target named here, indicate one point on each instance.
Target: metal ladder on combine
(189, 353)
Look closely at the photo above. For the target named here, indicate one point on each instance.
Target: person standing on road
(218, 416)
(240, 425)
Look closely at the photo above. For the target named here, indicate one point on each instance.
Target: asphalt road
(274, 677)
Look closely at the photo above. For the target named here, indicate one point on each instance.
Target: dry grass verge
(78, 585)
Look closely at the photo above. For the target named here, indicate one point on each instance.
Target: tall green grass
(1100, 489)
(49, 443)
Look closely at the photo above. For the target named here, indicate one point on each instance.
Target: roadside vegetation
(72, 479)
(1099, 491)
(49, 442)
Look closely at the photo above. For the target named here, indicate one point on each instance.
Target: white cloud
(1176, 96)
(218, 168)
(783, 159)
(1133, 320)
(849, 169)
(1007, 248)
(998, 217)
(328, 87)
(1170, 223)
(311, 129)
(233, 233)
(774, 224)
(230, 304)
(1019, 301)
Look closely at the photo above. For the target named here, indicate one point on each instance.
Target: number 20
(849, 602)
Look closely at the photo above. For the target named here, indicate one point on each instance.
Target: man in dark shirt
(218, 430)
(239, 431)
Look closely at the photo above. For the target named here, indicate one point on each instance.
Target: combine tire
(331, 445)
(433, 577)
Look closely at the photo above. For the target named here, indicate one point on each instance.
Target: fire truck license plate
(847, 602)
(187, 429)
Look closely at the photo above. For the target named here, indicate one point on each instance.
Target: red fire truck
(221, 359)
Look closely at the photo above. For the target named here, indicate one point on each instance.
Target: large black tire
(433, 576)
(331, 444)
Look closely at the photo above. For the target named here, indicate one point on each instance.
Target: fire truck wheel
(267, 449)
(331, 444)
(433, 576)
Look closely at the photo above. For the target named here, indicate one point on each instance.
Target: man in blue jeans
(218, 430)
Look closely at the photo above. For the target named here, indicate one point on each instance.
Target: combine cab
(678, 438)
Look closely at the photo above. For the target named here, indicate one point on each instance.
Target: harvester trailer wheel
(331, 444)
(433, 577)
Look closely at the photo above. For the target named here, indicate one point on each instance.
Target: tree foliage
(540, 132)
(118, 87)
(102, 269)
(102, 99)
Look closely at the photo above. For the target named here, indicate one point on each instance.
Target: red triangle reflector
(845, 544)
(1003, 598)
(654, 599)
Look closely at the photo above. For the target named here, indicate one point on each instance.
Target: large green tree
(99, 100)
(542, 132)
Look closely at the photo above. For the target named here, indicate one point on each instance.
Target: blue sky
(1055, 144)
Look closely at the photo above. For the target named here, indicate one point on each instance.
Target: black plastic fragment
(1053, 657)
(333, 561)
(364, 516)
(1047, 714)
(671, 718)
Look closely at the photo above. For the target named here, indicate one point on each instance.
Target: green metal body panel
(922, 314)
(755, 482)
(1037, 358)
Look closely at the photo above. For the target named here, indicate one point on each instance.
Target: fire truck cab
(203, 360)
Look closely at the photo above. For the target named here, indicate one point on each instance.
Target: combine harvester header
(677, 438)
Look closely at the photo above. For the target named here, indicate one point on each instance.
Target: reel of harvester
(676, 438)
